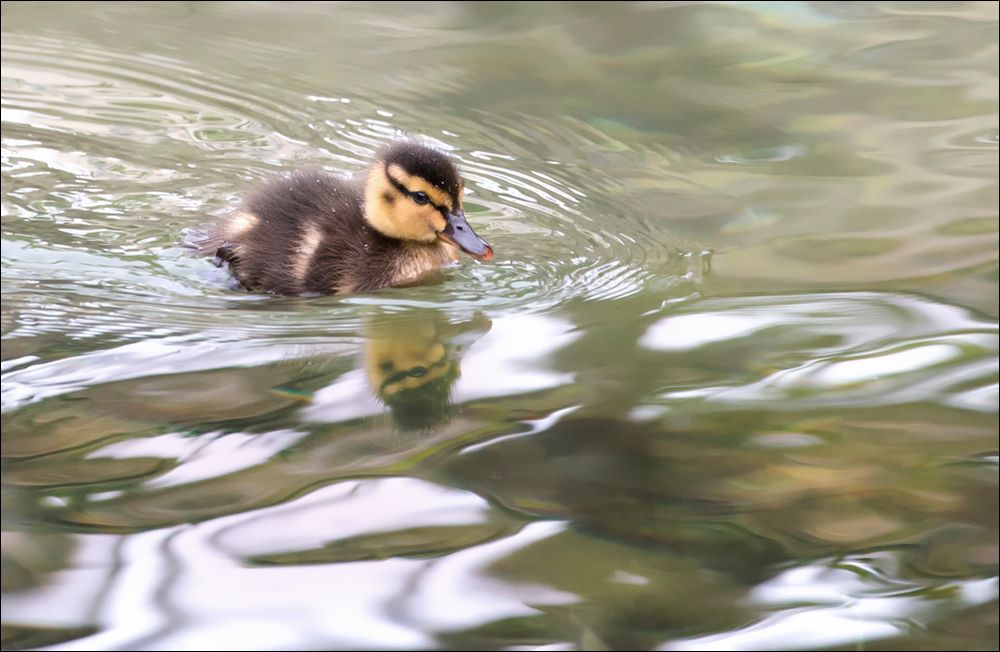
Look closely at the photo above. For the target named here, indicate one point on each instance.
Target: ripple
(842, 602)
(74, 87)
(850, 349)
(179, 451)
(79, 117)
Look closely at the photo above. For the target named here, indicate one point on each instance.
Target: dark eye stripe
(414, 372)
(398, 185)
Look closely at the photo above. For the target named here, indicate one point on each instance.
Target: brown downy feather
(306, 232)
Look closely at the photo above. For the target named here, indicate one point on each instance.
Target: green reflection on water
(733, 369)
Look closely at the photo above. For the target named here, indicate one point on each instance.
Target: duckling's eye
(420, 197)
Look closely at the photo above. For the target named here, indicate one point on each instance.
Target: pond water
(730, 382)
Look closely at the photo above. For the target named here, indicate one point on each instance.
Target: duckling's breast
(418, 260)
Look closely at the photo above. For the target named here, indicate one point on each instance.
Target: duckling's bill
(458, 232)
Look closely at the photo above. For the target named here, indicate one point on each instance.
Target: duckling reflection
(412, 364)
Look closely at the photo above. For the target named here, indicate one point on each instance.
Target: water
(730, 382)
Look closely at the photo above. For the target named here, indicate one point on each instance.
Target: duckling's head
(414, 192)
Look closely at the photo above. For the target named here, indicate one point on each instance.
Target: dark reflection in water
(685, 530)
(691, 519)
(412, 365)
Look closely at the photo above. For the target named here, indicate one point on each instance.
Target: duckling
(314, 233)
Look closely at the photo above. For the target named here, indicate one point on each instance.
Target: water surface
(731, 381)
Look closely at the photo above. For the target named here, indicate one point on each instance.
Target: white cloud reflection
(825, 606)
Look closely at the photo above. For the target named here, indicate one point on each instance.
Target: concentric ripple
(124, 154)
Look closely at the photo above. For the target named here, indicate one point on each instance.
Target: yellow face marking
(311, 240)
(397, 215)
(405, 360)
(415, 183)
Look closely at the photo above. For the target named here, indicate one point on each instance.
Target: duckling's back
(294, 234)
